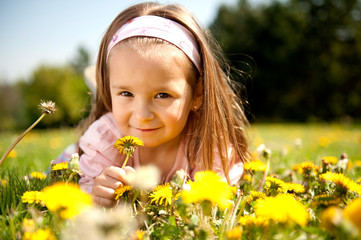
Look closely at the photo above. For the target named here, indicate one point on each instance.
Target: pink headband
(163, 28)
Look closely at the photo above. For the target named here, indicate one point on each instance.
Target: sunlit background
(299, 59)
(40, 31)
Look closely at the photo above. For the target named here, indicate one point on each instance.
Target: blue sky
(35, 32)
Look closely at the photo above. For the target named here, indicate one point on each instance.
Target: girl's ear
(197, 97)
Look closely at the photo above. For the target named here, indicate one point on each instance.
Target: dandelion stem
(71, 177)
(235, 208)
(126, 160)
(20, 137)
(265, 174)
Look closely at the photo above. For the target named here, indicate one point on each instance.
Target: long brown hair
(220, 121)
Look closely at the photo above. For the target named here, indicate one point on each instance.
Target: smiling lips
(146, 130)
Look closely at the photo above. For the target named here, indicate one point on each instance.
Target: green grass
(316, 141)
(290, 144)
(39, 147)
(36, 150)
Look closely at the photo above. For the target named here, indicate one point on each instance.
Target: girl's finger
(103, 191)
(105, 202)
(129, 169)
(107, 181)
(116, 173)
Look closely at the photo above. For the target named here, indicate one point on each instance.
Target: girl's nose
(142, 111)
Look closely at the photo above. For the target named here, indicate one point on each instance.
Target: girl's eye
(126, 94)
(162, 95)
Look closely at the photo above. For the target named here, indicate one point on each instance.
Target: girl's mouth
(147, 129)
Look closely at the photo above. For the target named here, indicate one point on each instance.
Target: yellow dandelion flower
(28, 225)
(32, 196)
(352, 213)
(247, 177)
(208, 186)
(139, 234)
(162, 193)
(13, 154)
(253, 196)
(357, 163)
(235, 233)
(294, 187)
(358, 180)
(60, 166)
(330, 159)
(326, 200)
(127, 144)
(38, 175)
(274, 185)
(342, 183)
(283, 208)
(324, 141)
(331, 217)
(253, 221)
(305, 168)
(66, 199)
(119, 192)
(41, 234)
(3, 182)
(256, 165)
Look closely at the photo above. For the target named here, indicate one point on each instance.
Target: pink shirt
(99, 153)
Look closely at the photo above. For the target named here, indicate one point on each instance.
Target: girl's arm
(98, 150)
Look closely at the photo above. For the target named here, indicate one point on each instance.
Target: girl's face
(151, 98)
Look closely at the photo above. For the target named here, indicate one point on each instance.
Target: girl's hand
(104, 185)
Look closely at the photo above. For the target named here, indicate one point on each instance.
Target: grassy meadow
(290, 210)
(289, 143)
(36, 150)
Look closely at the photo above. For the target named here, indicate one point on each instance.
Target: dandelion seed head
(100, 223)
(144, 178)
(47, 107)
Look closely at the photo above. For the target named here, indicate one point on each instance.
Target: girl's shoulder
(101, 133)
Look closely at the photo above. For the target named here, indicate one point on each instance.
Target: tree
(10, 102)
(307, 54)
(63, 86)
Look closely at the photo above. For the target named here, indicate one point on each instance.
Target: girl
(158, 80)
